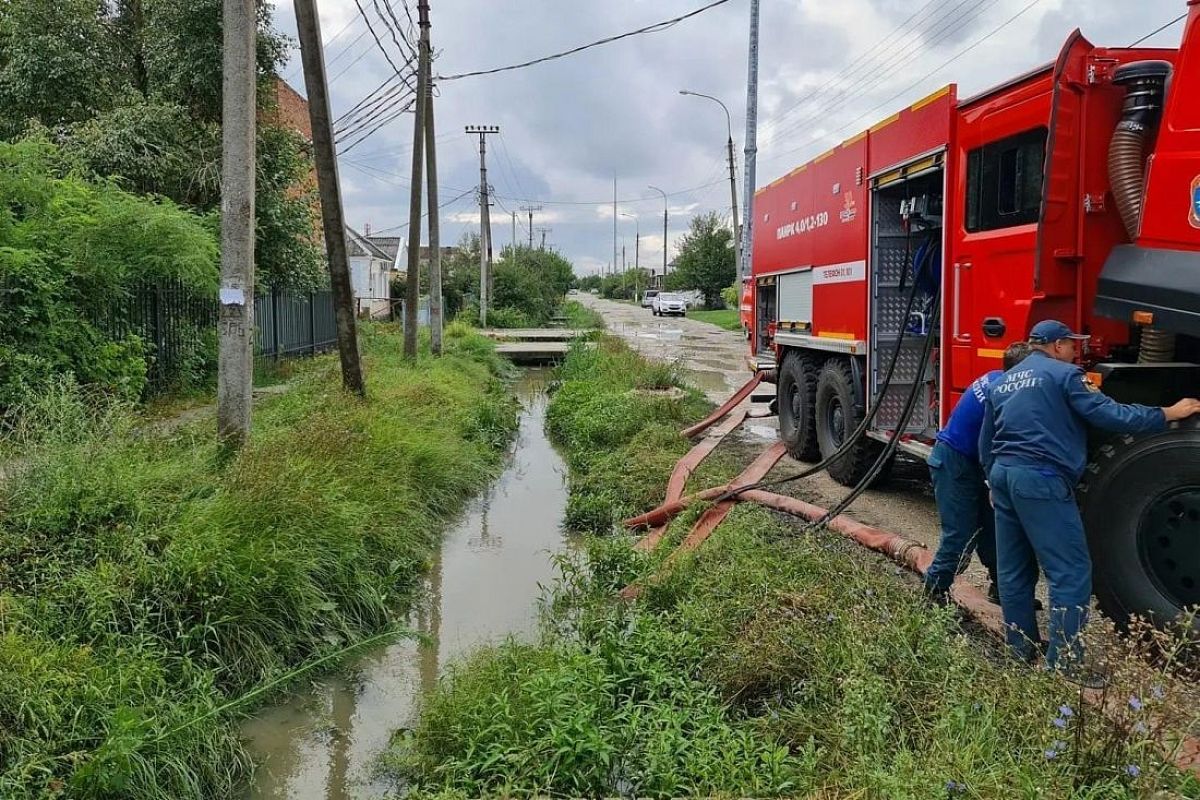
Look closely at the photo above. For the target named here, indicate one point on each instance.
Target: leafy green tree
(706, 260)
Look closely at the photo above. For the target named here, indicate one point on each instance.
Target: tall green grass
(145, 581)
(616, 417)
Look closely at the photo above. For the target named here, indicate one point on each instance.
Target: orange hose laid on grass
(730, 404)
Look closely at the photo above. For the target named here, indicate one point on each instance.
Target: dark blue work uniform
(1034, 448)
(968, 524)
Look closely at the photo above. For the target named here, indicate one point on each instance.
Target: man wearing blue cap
(960, 488)
(1033, 445)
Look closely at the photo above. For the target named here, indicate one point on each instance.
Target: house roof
(359, 245)
(388, 244)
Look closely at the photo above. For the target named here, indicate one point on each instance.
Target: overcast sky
(569, 125)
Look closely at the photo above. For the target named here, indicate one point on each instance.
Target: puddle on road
(713, 384)
(481, 587)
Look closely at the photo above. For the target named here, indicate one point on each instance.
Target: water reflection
(482, 586)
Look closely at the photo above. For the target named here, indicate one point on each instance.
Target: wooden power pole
(412, 295)
(235, 353)
(435, 246)
(308, 25)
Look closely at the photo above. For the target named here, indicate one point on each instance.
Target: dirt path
(715, 360)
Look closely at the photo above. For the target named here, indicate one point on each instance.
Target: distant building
(370, 275)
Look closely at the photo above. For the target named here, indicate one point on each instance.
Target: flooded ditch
(482, 586)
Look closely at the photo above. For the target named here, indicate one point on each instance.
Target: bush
(145, 582)
(70, 251)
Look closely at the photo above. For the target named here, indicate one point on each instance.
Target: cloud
(828, 70)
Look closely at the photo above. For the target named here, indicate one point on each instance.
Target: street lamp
(664, 196)
(732, 172)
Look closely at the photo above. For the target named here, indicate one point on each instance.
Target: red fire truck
(894, 269)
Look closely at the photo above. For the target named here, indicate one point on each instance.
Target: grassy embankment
(727, 318)
(146, 582)
(580, 317)
(765, 664)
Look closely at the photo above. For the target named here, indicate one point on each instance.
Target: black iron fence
(179, 327)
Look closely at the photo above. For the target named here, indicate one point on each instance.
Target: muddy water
(483, 586)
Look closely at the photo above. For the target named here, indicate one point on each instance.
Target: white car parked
(669, 303)
(648, 298)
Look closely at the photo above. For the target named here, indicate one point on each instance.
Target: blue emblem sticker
(1194, 212)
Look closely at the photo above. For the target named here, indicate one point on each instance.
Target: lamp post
(737, 238)
(664, 196)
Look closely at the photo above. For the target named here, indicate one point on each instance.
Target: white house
(370, 275)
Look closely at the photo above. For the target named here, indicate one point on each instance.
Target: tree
(706, 260)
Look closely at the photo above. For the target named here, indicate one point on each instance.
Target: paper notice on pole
(233, 297)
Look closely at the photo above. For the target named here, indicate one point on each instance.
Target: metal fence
(179, 327)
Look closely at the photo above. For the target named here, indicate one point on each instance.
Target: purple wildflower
(1051, 755)
(1059, 745)
(1140, 728)
(1066, 711)
(1135, 703)
(1133, 770)
(1060, 723)
(1158, 693)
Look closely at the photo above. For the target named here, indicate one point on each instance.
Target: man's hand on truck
(1183, 409)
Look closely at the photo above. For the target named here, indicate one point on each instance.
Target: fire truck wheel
(837, 416)
(797, 405)
(1141, 509)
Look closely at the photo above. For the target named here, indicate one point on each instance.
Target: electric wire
(655, 28)
(1159, 30)
(856, 68)
(916, 83)
(846, 95)
(380, 124)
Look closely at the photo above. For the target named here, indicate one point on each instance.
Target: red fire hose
(730, 404)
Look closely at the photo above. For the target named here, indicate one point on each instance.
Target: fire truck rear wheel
(1140, 501)
(797, 397)
(838, 415)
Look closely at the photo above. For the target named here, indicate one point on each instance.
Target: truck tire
(797, 407)
(838, 414)
(1140, 501)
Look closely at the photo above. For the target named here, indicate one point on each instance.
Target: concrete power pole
(529, 210)
(435, 240)
(614, 261)
(514, 230)
(751, 146)
(485, 222)
(412, 293)
(235, 364)
(665, 218)
(308, 25)
(543, 232)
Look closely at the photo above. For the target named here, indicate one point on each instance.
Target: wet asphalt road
(715, 360)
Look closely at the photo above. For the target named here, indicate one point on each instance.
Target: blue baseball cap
(1051, 330)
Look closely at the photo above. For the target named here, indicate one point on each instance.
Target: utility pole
(436, 312)
(485, 222)
(614, 261)
(235, 354)
(751, 146)
(529, 210)
(543, 232)
(664, 197)
(737, 230)
(514, 231)
(308, 25)
(412, 294)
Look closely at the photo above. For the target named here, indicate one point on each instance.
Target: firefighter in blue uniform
(1034, 448)
(960, 488)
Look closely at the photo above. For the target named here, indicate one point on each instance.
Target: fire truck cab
(893, 270)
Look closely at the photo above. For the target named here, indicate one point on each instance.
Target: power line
(371, 103)
(920, 80)
(408, 106)
(1157, 31)
(655, 28)
(851, 68)
(942, 33)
